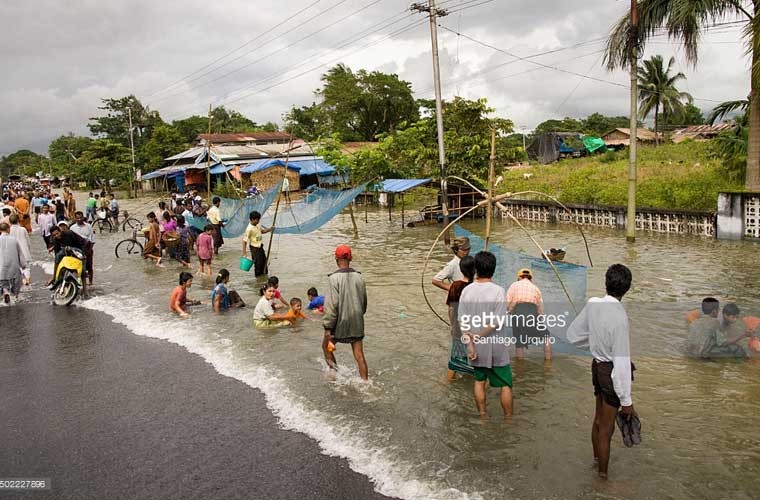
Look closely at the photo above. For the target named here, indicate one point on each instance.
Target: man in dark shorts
(603, 324)
(345, 306)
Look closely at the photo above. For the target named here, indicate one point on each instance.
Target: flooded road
(417, 435)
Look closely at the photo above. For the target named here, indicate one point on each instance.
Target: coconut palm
(657, 90)
(686, 21)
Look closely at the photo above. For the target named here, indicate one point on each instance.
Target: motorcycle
(68, 277)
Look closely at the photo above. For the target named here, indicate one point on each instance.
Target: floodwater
(417, 435)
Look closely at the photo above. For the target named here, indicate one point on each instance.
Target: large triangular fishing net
(312, 212)
(234, 212)
(556, 301)
(298, 217)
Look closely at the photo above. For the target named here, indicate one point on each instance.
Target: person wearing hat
(450, 272)
(526, 304)
(345, 306)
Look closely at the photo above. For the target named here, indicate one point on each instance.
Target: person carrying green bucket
(252, 239)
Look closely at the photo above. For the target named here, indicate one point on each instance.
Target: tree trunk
(752, 178)
(656, 123)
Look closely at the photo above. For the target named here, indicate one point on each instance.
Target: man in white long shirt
(12, 261)
(603, 325)
(22, 236)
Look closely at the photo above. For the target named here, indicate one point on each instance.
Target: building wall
(265, 179)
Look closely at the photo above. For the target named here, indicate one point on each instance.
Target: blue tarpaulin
(401, 185)
(304, 166)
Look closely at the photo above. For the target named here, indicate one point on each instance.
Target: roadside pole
(630, 222)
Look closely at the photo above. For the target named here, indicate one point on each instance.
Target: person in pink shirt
(204, 247)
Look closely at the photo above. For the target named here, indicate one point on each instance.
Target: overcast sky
(60, 57)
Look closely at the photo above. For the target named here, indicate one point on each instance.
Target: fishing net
(234, 212)
(556, 301)
(311, 213)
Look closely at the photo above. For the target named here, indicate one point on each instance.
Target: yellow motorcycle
(68, 277)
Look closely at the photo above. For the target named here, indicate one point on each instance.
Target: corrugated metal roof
(401, 185)
(189, 153)
(161, 172)
(245, 137)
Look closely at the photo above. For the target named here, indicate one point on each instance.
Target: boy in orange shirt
(295, 314)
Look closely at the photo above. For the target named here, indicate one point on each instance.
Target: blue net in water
(235, 212)
(311, 213)
(556, 301)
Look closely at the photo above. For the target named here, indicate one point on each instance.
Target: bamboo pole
(489, 209)
(277, 206)
(208, 157)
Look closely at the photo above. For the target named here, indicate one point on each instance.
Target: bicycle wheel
(131, 223)
(126, 248)
(103, 225)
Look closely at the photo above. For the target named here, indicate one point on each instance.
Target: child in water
(295, 314)
(275, 282)
(316, 301)
(204, 247)
(264, 315)
(178, 302)
(222, 298)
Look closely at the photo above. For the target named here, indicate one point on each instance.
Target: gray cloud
(61, 57)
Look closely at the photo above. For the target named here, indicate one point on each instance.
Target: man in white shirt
(22, 235)
(450, 272)
(215, 219)
(46, 222)
(83, 229)
(603, 325)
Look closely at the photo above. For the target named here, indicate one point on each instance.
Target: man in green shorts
(482, 314)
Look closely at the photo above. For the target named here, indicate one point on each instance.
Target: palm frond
(723, 109)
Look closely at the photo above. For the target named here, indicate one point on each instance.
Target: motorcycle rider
(63, 237)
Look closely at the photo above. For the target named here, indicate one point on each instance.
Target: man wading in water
(345, 306)
(603, 324)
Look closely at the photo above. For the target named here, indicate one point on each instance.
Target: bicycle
(130, 246)
(130, 222)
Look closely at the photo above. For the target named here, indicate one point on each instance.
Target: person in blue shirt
(316, 301)
(222, 298)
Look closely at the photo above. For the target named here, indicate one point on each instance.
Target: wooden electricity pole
(208, 157)
(433, 14)
(630, 222)
(491, 177)
(133, 181)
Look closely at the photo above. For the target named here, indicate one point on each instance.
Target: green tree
(23, 162)
(115, 124)
(189, 128)
(567, 124)
(66, 150)
(657, 90)
(691, 115)
(597, 124)
(165, 141)
(307, 122)
(357, 106)
(687, 21)
(102, 161)
(229, 121)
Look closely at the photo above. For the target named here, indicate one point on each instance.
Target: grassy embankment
(672, 176)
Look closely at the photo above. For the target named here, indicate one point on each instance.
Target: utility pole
(208, 157)
(523, 128)
(132, 182)
(630, 222)
(433, 14)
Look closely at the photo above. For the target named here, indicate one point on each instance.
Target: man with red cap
(345, 306)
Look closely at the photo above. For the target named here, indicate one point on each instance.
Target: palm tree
(686, 21)
(657, 90)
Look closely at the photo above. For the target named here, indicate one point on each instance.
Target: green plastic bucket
(245, 264)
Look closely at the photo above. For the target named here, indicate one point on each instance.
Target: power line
(237, 48)
(225, 75)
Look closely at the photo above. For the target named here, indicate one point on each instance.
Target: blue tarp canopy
(220, 168)
(161, 172)
(304, 166)
(401, 185)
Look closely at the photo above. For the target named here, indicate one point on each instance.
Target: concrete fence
(660, 221)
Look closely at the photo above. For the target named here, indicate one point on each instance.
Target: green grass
(672, 176)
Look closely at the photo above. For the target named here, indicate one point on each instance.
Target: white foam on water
(390, 476)
(47, 266)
